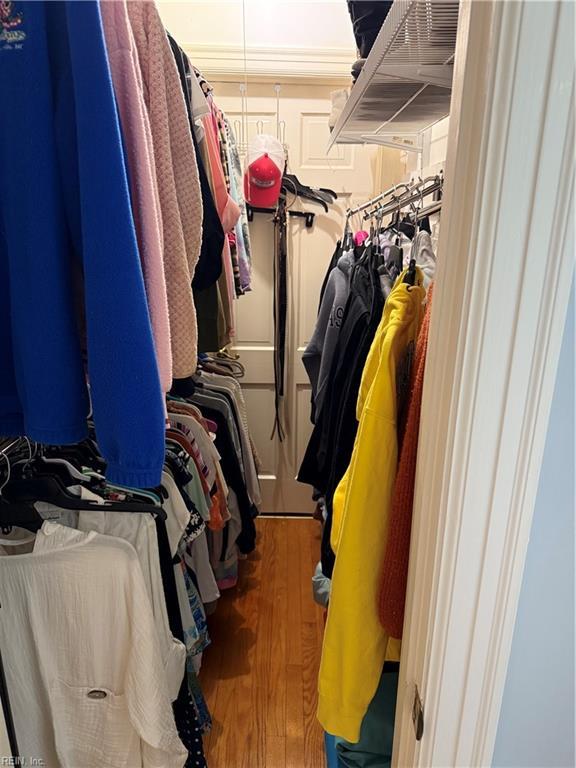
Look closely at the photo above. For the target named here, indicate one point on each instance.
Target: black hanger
(410, 276)
(292, 184)
(20, 515)
(330, 192)
(50, 489)
(424, 224)
(84, 454)
(41, 466)
(314, 199)
(92, 452)
(407, 227)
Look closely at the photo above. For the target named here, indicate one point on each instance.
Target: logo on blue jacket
(9, 23)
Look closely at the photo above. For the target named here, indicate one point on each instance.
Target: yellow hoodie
(355, 645)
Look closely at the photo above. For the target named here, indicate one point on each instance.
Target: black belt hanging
(7, 710)
(280, 311)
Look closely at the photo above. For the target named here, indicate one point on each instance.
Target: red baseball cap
(265, 167)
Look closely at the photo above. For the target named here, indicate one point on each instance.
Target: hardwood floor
(259, 675)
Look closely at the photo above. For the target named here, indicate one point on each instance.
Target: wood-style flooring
(260, 674)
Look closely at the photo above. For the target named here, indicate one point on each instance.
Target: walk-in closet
(286, 383)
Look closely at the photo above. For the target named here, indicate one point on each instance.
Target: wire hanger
(22, 515)
(410, 277)
(5, 483)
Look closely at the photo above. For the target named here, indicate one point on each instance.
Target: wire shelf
(405, 85)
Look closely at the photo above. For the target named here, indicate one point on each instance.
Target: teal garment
(374, 750)
(330, 746)
(202, 638)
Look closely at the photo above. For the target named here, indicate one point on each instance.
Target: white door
(353, 172)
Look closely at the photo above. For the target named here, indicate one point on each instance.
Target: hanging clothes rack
(241, 125)
(428, 210)
(370, 203)
(414, 194)
(280, 124)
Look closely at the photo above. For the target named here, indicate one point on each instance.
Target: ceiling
(316, 25)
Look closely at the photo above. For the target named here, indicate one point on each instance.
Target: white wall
(433, 160)
(313, 24)
(536, 728)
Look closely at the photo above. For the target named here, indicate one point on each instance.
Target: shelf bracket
(407, 143)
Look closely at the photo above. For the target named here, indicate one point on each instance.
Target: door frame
(505, 260)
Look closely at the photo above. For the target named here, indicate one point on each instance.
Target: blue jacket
(72, 300)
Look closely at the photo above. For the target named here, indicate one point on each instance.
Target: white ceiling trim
(270, 63)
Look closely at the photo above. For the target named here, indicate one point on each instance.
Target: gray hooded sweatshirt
(317, 356)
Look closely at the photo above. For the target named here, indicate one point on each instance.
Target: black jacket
(332, 441)
(337, 419)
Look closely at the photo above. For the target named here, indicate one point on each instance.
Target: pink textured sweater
(177, 176)
(128, 88)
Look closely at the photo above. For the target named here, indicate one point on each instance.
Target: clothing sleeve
(125, 387)
(135, 126)
(312, 356)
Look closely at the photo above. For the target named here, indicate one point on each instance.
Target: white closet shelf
(405, 85)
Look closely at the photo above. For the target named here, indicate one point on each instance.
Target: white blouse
(83, 664)
(177, 514)
(140, 531)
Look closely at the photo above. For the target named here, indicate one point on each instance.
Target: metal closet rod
(381, 196)
(401, 202)
(426, 211)
(388, 192)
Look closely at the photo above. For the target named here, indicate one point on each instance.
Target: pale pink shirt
(229, 213)
(177, 175)
(128, 87)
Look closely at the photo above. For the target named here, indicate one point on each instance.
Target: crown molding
(329, 65)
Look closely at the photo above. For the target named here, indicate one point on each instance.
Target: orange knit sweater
(395, 566)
